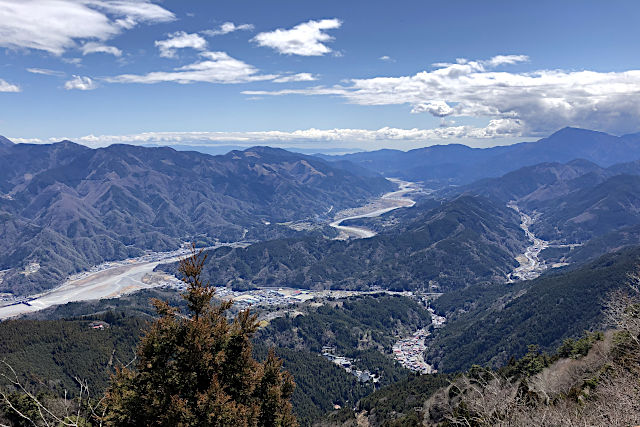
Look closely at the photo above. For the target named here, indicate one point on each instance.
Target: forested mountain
(466, 240)
(587, 381)
(441, 165)
(68, 207)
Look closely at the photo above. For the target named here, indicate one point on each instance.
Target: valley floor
(108, 280)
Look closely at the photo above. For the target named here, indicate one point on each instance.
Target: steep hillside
(67, 207)
(591, 211)
(488, 325)
(589, 381)
(33, 348)
(577, 202)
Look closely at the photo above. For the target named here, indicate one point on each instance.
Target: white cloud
(300, 77)
(505, 60)
(46, 72)
(421, 137)
(226, 28)
(436, 108)
(8, 87)
(180, 40)
(217, 67)
(386, 58)
(306, 39)
(74, 61)
(56, 25)
(541, 101)
(94, 47)
(80, 83)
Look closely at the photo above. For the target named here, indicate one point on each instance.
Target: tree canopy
(197, 369)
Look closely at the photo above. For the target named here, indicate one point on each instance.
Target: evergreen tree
(198, 370)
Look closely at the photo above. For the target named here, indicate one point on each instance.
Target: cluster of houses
(347, 364)
(263, 297)
(409, 352)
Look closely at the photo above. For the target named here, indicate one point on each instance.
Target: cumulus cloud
(216, 67)
(80, 83)
(540, 101)
(94, 47)
(180, 40)
(386, 58)
(306, 39)
(8, 87)
(436, 108)
(57, 25)
(226, 28)
(46, 72)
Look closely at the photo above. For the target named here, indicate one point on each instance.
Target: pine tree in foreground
(198, 369)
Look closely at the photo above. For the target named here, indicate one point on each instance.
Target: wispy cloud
(216, 67)
(46, 72)
(73, 61)
(300, 77)
(386, 58)
(539, 101)
(306, 39)
(93, 47)
(80, 83)
(226, 28)
(57, 25)
(8, 87)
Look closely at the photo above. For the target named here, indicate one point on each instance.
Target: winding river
(530, 265)
(386, 203)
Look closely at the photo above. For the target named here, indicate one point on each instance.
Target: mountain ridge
(126, 199)
(440, 165)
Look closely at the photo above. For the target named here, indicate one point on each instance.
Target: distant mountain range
(67, 207)
(469, 236)
(441, 165)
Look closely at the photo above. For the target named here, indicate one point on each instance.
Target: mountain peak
(573, 131)
(5, 141)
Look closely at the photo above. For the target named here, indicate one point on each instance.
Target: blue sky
(365, 74)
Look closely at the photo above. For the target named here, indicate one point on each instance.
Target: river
(386, 203)
(530, 265)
